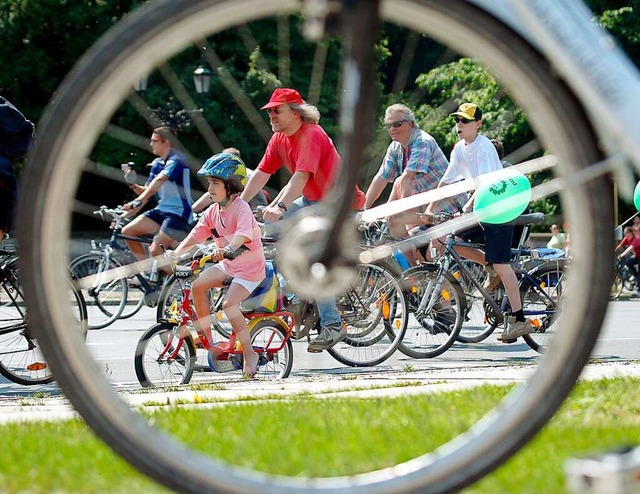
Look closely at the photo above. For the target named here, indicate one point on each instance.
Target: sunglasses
(395, 125)
(463, 120)
(276, 111)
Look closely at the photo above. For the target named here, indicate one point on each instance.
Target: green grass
(327, 436)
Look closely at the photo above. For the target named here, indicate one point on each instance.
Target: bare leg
(231, 306)
(140, 226)
(510, 282)
(474, 254)
(209, 278)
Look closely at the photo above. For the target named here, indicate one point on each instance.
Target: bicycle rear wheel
(374, 312)
(106, 300)
(89, 98)
(270, 340)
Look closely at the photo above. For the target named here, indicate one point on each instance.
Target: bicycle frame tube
(449, 247)
(586, 55)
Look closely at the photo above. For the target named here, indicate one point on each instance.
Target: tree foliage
(42, 39)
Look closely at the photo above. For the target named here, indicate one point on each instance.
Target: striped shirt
(426, 159)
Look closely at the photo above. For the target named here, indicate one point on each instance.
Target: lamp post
(202, 78)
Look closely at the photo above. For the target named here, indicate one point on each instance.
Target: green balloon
(503, 197)
(636, 197)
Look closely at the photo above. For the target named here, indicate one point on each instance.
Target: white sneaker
(515, 329)
(493, 279)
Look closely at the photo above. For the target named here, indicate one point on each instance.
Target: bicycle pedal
(512, 340)
(236, 360)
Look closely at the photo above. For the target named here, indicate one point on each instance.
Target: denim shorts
(172, 225)
(498, 240)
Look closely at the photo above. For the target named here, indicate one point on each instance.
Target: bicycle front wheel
(21, 358)
(162, 358)
(435, 315)
(88, 107)
(374, 312)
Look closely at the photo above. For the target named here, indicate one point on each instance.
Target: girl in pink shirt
(232, 225)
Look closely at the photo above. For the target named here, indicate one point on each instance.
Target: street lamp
(202, 78)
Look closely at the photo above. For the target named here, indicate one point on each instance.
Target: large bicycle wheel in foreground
(101, 82)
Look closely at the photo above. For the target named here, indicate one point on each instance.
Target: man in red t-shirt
(631, 254)
(305, 149)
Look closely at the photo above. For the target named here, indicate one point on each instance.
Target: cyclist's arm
(406, 183)
(293, 189)
(627, 251)
(202, 203)
(146, 194)
(375, 189)
(287, 195)
(255, 184)
(137, 189)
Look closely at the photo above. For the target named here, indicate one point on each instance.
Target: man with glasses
(169, 179)
(414, 163)
(304, 148)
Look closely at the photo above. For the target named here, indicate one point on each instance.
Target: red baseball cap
(284, 96)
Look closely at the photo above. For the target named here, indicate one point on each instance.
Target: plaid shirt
(426, 159)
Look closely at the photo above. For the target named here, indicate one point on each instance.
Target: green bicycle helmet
(227, 167)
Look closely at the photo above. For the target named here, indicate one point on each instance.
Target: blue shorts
(497, 240)
(172, 225)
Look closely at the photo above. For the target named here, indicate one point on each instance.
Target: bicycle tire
(268, 334)
(131, 310)
(21, 359)
(477, 326)
(106, 306)
(550, 276)
(374, 312)
(153, 368)
(157, 30)
(616, 287)
(433, 333)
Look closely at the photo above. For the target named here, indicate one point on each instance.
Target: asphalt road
(113, 349)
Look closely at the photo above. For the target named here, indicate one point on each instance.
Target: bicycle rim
(433, 332)
(374, 312)
(542, 303)
(107, 303)
(162, 359)
(83, 107)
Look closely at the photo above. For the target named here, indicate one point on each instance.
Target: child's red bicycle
(164, 357)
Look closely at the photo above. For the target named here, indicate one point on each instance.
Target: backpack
(16, 132)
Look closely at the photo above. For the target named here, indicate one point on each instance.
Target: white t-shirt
(469, 161)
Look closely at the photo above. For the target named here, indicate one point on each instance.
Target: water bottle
(289, 295)
(401, 259)
(153, 276)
